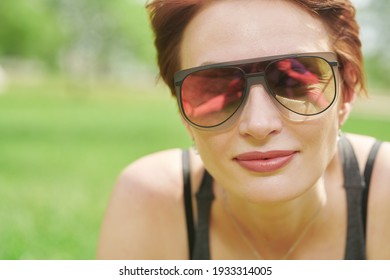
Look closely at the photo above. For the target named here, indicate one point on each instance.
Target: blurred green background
(79, 101)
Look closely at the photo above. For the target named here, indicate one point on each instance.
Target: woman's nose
(259, 118)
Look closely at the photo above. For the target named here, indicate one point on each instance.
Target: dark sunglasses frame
(254, 78)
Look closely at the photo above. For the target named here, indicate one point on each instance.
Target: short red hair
(169, 18)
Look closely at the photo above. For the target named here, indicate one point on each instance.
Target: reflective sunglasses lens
(210, 97)
(304, 85)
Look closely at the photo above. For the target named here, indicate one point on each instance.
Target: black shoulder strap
(367, 178)
(354, 185)
(370, 162)
(204, 199)
(188, 201)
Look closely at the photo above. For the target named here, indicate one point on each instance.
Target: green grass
(60, 154)
(61, 149)
(376, 127)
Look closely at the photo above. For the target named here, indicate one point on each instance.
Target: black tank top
(355, 184)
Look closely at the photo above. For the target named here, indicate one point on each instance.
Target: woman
(263, 88)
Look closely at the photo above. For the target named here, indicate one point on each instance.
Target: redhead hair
(169, 18)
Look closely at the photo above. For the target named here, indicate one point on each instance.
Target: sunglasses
(300, 85)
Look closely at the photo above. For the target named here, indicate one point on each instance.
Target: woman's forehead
(241, 29)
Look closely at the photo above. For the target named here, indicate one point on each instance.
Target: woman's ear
(349, 80)
(344, 111)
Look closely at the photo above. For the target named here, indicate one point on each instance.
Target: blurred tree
(375, 26)
(106, 36)
(29, 29)
(85, 36)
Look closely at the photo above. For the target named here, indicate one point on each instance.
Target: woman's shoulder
(158, 172)
(145, 215)
(362, 146)
(380, 180)
(378, 222)
(142, 218)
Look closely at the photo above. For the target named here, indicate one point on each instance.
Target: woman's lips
(265, 161)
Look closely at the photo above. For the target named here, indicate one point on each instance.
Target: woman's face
(261, 156)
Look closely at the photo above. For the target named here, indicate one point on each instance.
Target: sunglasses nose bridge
(256, 79)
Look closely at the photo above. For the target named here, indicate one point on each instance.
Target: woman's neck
(275, 227)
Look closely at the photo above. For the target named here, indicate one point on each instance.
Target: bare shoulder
(157, 174)
(362, 145)
(379, 206)
(378, 227)
(145, 217)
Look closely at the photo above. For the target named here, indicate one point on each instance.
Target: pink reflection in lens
(299, 75)
(212, 98)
